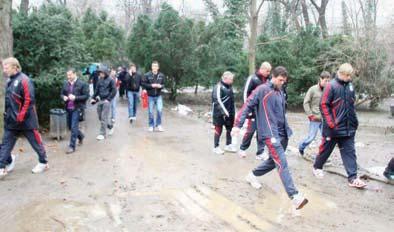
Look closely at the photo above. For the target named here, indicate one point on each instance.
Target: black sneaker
(301, 152)
(131, 120)
(388, 175)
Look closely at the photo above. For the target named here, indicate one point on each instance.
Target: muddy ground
(171, 181)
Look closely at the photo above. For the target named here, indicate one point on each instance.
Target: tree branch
(314, 3)
(259, 8)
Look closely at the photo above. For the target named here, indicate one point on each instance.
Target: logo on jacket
(351, 87)
(16, 83)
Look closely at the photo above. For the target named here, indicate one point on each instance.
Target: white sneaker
(252, 180)
(263, 156)
(11, 166)
(113, 120)
(218, 151)
(3, 173)
(242, 153)
(160, 129)
(134, 118)
(111, 131)
(150, 129)
(40, 168)
(318, 173)
(100, 137)
(299, 201)
(230, 148)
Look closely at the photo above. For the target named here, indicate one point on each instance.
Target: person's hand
(312, 117)
(158, 86)
(235, 131)
(65, 98)
(154, 85)
(93, 101)
(106, 101)
(71, 97)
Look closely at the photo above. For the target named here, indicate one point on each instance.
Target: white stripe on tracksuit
(218, 96)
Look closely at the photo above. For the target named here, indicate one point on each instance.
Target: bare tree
(305, 13)
(254, 10)
(24, 7)
(322, 15)
(5, 46)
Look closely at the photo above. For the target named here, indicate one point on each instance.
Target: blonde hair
(13, 62)
(227, 74)
(266, 65)
(345, 69)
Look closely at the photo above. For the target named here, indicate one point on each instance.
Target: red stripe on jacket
(26, 102)
(326, 112)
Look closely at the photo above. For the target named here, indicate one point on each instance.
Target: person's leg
(80, 136)
(278, 155)
(106, 115)
(326, 147)
(75, 133)
(9, 140)
(100, 111)
(218, 133)
(130, 98)
(159, 105)
(348, 155)
(313, 129)
(113, 109)
(247, 138)
(265, 167)
(135, 105)
(151, 103)
(260, 142)
(34, 138)
(69, 117)
(228, 134)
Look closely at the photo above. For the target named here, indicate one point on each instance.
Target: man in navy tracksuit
(339, 124)
(20, 117)
(223, 112)
(272, 127)
(253, 81)
(75, 93)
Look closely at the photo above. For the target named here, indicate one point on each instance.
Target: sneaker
(100, 137)
(113, 121)
(299, 201)
(230, 148)
(70, 150)
(134, 118)
(242, 153)
(160, 129)
(40, 168)
(253, 181)
(3, 173)
(150, 129)
(263, 156)
(318, 173)
(301, 152)
(218, 151)
(80, 141)
(389, 176)
(111, 131)
(131, 120)
(11, 166)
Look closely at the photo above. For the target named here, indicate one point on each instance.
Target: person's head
(103, 72)
(279, 76)
(228, 77)
(71, 74)
(265, 69)
(113, 72)
(345, 72)
(11, 66)
(324, 78)
(119, 69)
(155, 67)
(132, 68)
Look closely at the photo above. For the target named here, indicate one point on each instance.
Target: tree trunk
(5, 47)
(24, 7)
(253, 21)
(196, 89)
(305, 14)
(322, 16)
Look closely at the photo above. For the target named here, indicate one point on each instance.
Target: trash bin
(57, 123)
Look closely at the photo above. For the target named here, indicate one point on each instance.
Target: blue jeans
(113, 108)
(155, 102)
(277, 158)
(314, 127)
(73, 125)
(133, 98)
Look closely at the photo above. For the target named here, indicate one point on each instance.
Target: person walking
(133, 86)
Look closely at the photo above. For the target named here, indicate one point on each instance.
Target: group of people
(329, 105)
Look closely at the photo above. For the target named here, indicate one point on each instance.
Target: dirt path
(141, 181)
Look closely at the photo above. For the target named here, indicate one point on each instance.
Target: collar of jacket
(15, 75)
(341, 81)
(271, 85)
(261, 77)
(225, 85)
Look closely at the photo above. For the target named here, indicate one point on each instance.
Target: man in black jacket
(153, 83)
(339, 125)
(133, 85)
(122, 72)
(253, 81)
(223, 112)
(103, 95)
(75, 93)
(20, 117)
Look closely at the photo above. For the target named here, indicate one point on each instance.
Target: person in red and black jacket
(20, 116)
(340, 123)
(253, 81)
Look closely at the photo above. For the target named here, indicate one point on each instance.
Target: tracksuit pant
(277, 158)
(247, 138)
(9, 139)
(347, 150)
(73, 125)
(103, 111)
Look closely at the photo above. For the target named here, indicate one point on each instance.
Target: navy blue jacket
(269, 104)
(252, 83)
(20, 111)
(133, 82)
(223, 101)
(80, 91)
(338, 110)
(149, 79)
